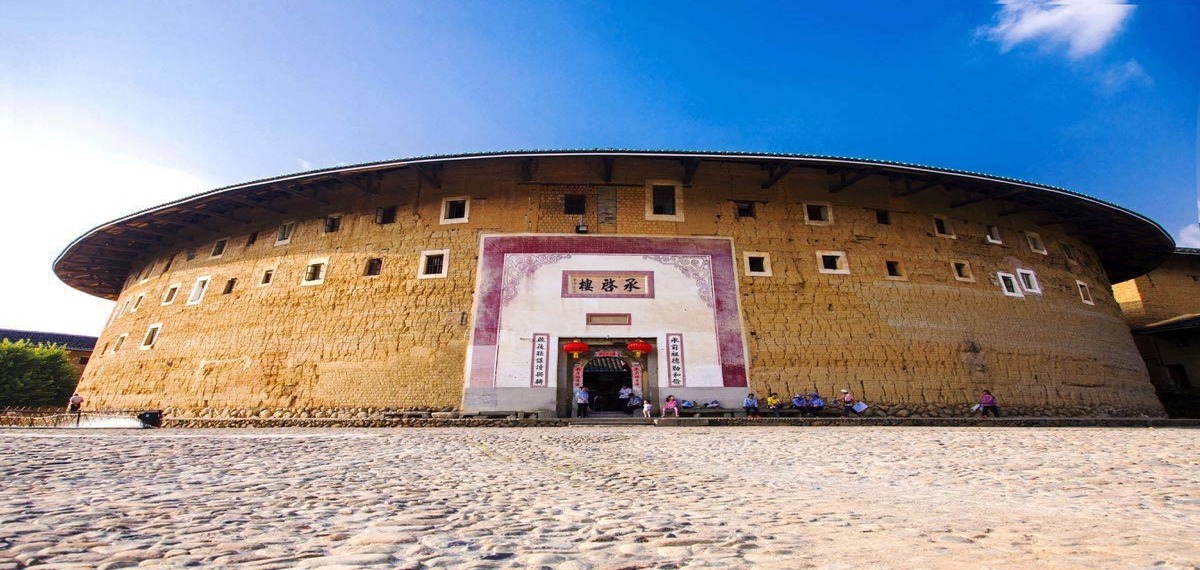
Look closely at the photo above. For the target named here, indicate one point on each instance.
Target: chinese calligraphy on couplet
(618, 284)
(540, 361)
(675, 374)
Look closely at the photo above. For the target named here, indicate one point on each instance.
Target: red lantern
(639, 347)
(576, 347)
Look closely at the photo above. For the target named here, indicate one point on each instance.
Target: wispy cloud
(1189, 236)
(1123, 74)
(304, 164)
(1083, 27)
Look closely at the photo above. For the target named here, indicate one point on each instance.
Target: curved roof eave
(631, 153)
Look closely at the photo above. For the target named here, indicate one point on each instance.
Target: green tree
(35, 375)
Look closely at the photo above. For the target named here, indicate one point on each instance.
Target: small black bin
(151, 418)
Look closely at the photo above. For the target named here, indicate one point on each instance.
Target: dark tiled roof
(72, 341)
(1188, 250)
(1173, 324)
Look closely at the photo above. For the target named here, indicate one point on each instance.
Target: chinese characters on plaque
(675, 359)
(614, 284)
(540, 361)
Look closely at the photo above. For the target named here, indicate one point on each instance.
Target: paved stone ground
(771, 497)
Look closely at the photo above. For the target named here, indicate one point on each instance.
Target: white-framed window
(219, 247)
(833, 262)
(1008, 284)
(199, 289)
(151, 336)
(284, 234)
(171, 293)
(456, 210)
(993, 235)
(268, 275)
(943, 228)
(1035, 243)
(757, 263)
(1068, 251)
(120, 342)
(331, 224)
(433, 264)
(137, 302)
(1029, 281)
(314, 273)
(664, 200)
(818, 213)
(895, 270)
(962, 271)
(1085, 292)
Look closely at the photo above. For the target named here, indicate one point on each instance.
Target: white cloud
(56, 186)
(1189, 236)
(1084, 27)
(1121, 75)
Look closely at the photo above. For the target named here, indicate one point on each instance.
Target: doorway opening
(604, 377)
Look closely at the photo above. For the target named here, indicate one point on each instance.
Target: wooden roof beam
(430, 174)
(847, 182)
(251, 204)
(606, 168)
(1064, 220)
(217, 215)
(356, 184)
(775, 173)
(1023, 210)
(909, 189)
(985, 197)
(690, 165)
(529, 167)
(148, 231)
(296, 191)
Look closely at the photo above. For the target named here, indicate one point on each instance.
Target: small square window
(962, 271)
(832, 262)
(943, 228)
(332, 224)
(284, 235)
(314, 274)
(198, 290)
(744, 209)
(895, 270)
(151, 336)
(219, 247)
(993, 235)
(267, 276)
(433, 264)
(1029, 281)
(883, 217)
(664, 200)
(374, 266)
(191, 254)
(1008, 284)
(1035, 243)
(1085, 293)
(1068, 251)
(137, 302)
(229, 285)
(575, 204)
(385, 215)
(456, 210)
(758, 264)
(169, 296)
(250, 239)
(818, 213)
(120, 342)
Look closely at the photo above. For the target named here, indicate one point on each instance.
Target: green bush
(35, 375)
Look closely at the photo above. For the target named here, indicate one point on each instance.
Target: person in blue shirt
(815, 404)
(800, 403)
(750, 404)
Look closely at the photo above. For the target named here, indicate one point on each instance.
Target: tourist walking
(672, 404)
(774, 404)
(750, 404)
(581, 403)
(987, 403)
(848, 402)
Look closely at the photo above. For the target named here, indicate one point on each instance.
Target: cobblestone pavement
(602, 497)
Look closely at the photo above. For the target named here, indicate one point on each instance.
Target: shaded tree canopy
(35, 374)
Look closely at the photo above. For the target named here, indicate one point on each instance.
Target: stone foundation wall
(925, 342)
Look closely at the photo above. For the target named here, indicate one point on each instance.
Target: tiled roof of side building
(1177, 323)
(1188, 250)
(72, 341)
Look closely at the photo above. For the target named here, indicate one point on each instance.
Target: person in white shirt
(581, 403)
(623, 397)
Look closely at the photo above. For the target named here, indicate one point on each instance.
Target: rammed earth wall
(922, 344)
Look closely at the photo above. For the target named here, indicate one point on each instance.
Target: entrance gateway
(535, 293)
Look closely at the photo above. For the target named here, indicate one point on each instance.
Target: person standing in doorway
(848, 402)
(987, 403)
(623, 397)
(581, 402)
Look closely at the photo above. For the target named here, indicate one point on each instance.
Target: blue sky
(108, 107)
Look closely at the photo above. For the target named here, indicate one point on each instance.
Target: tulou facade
(458, 282)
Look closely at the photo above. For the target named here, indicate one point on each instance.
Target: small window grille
(219, 247)
(1029, 281)
(374, 266)
(314, 273)
(434, 264)
(267, 276)
(333, 224)
(575, 204)
(385, 215)
(285, 233)
(455, 210)
(1008, 284)
(745, 209)
(817, 213)
(664, 200)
